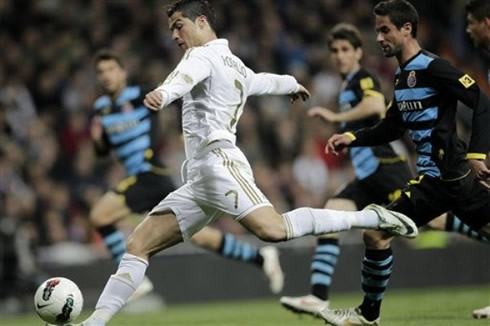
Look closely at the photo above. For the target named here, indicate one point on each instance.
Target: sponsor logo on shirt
(406, 106)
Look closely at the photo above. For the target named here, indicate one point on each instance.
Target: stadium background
(50, 176)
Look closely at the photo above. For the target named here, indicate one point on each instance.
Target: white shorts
(220, 182)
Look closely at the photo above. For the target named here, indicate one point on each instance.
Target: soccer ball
(58, 301)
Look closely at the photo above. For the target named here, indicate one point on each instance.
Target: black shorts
(144, 191)
(426, 198)
(381, 187)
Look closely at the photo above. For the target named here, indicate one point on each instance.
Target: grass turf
(424, 307)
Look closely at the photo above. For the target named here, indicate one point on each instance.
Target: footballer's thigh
(439, 223)
(229, 187)
(266, 224)
(110, 208)
(208, 238)
(156, 232)
(474, 208)
(340, 204)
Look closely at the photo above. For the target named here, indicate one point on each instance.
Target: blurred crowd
(50, 176)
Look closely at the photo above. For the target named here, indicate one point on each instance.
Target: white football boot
(85, 323)
(272, 268)
(482, 313)
(307, 304)
(393, 222)
(346, 317)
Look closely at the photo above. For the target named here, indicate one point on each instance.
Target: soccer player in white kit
(214, 85)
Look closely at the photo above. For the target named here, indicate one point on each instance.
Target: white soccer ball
(58, 301)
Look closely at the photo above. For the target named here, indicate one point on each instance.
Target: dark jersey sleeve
(368, 86)
(451, 81)
(387, 130)
(102, 147)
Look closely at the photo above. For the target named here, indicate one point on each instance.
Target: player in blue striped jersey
(124, 126)
(381, 174)
(451, 176)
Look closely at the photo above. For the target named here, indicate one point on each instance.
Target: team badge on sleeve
(367, 83)
(412, 79)
(466, 81)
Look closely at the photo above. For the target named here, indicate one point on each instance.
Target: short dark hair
(347, 32)
(400, 12)
(107, 54)
(193, 9)
(478, 8)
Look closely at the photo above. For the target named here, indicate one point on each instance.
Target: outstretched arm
(369, 106)
(387, 130)
(272, 84)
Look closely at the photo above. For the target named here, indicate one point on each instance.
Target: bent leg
(376, 271)
(227, 245)
(155, 233)
(266, 224)
(208, 238)
(451, 223)
(108, 210)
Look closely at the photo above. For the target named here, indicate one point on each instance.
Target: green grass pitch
(425, 307)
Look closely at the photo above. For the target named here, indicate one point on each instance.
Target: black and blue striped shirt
(129, 129)
(365, 160)
(427, 89)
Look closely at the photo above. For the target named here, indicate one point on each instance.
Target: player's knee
(269, 233)
(438, 223)
(135, 247)
(95, 217)
(374, 239)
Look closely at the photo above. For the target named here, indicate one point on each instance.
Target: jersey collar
(219, 41)
(411, 59)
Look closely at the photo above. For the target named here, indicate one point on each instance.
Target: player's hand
(323, 113)
(153, 100)
(481, 171)
(96, 129)
(336, 143)
(302, 94)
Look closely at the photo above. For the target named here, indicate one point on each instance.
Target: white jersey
(214, 85)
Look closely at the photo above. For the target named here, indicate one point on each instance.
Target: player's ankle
(370, 310)
(100, 315)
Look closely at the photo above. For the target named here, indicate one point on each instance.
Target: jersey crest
(412, 79)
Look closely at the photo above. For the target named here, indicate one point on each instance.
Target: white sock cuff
(287, 226)
(299, 222)
(130, 257)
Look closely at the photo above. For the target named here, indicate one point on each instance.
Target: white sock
(120, 287)
(304, 221)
